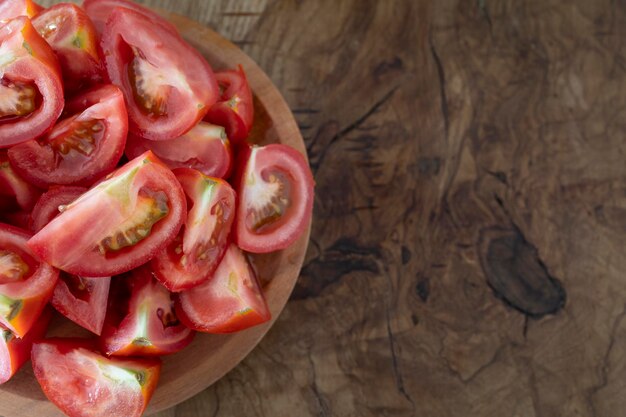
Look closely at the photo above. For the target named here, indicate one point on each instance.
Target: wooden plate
(209, 357)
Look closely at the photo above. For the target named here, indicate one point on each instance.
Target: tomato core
(78, 286)
(12, 267)
(148, 84)
(17, 99)
(274, 198)
(80, 136)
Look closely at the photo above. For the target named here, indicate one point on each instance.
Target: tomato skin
(235, 109)
(15, 192)
(47, 207)
(75, 42)
(136, 323)
(205, 148)
(179, 266)
(28, 58)
(257, 165)
(72, 240)
(100, 10)
(83, 383)
(44, 162)
(229, 302)
(10, 9)
(25, 298)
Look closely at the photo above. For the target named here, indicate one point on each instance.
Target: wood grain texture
(467, 255)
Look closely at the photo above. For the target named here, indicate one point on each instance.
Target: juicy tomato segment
(14, 352)
(81, 382)
(118, 224)
(82, 300)
(72, 36)
(195, 253)
(81, 148)
(235, 109)
(100, 10)
(231, 301)
(15, 192)
(26, 285)
(141, 319)
(168, 85)
(31, 91)
(51, 203)
(275, 187)
(205, 148)
(10, 9)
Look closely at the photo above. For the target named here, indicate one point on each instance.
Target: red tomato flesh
(100, 10)
(50, 204)
(10, 9)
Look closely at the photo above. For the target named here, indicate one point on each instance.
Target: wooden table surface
(468, 250)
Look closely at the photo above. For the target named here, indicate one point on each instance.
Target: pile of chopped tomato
(129, 199)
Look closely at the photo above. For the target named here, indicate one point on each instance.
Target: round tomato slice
(234, 110)
(15, 192)
(14, 352)
(230, 301)
(205, 148)
(168, 85)
(275, 189)
(141, 320)
(69, 31)
(10, 9)
(26, 284)
(118, 224)
(80, 149)
(100, 10)
(197, 250)
(83, 383)
(51, 202)
(31, 91)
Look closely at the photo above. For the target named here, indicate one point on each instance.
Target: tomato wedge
(275, 189)
(141, 319)
(80, 149)
(197, 250)
(69, 31)
(49, 204)
(14, 352)
(10, 9)
(26, 284)
(82, 300)
(31, 91)
(230, 301)
(205, 148)
(234, 110)
(168, 85)
(117, 225)
(15, 192)
(100, 10)
(83, 383)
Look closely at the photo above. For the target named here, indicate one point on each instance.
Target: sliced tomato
(14, 352)
(31, 91)
(141, 320)
(83, 383)
(80, 149)
(168, 85)
(197, 250)
(15, 192)
(117, 225)
(275, 189)
(234, 110)
(230, 301)
(205, 148)
(21, 219)
(69, 31)
(51, 203)
(10, 9)
(100, 10)
(26, 284)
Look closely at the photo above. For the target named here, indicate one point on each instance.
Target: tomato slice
(197, 250)
(168, 85)
(51, 202)
(10, 9)
(14, 352)
(83, 383)
(31, 91)
(69, 31)
(15, 192)
(205, 148)
(118, 224)
(275, 189)
(230, 301)
(141, 320)
(100, 10)
(234, 110)
(26, 284)
(81, 148)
